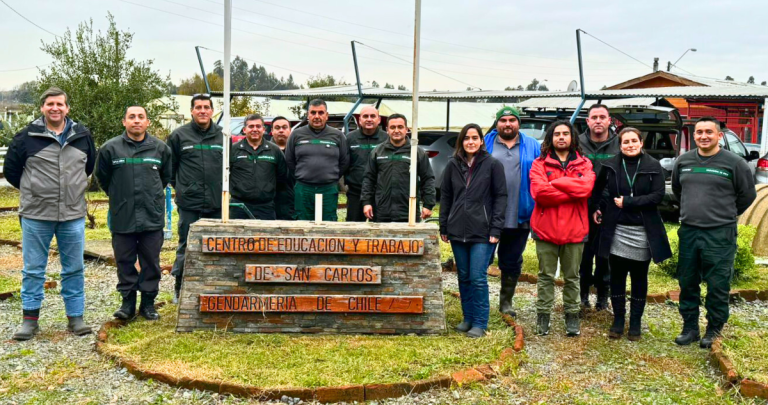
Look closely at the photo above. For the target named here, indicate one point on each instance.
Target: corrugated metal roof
(732, 90)
(571, 103)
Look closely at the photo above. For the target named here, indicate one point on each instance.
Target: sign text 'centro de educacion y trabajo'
(312, 245)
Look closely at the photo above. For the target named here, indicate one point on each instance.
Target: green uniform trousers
(304, 201)
(706, 254)
(569, 256)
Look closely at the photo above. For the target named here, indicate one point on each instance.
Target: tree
(764, 83)
(536, 85)
(508, 88)
(324, 81)
(196, 85)
(729, 78)
(389, 86)
(242, 106)
(375, 84)
(25, 93)
(402, 87)
(94, 70)
(543, 87)
(520, 87)
(751, 80)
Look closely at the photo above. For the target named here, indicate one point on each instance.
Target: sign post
(225, 111)
(415, 115)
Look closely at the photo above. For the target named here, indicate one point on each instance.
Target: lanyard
(634, 176)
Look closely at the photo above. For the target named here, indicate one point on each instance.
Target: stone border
(8, 294)
(348, 393)
(747, 388)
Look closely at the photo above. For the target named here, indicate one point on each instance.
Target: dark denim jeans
(472, 268)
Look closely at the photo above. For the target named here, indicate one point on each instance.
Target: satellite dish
(573, 86)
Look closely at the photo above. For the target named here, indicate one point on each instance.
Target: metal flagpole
(225, 111)
(415, 114)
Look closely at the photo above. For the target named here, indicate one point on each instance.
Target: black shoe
(542, 324)
(147, 307)
(127, 310)
(688, 336)
(507, 294)
(617, 329)
(463, 327)
(572, 325)
(601, 304)
(712, 333)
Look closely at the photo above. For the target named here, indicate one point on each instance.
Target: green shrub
(744, 264)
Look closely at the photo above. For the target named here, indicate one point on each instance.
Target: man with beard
(561, 183)
(318, 156)
(257, 170)
(598, 143)
(133, 169)
(281, 131)
(197, 149)
(386, 184)
(361, 142)
(516, 152)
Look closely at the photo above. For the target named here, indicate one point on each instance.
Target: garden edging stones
(8, 294)
(747, 388)
(349, 393)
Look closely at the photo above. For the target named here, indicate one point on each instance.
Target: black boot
(602, 298)
(572, 323)
(542, 324)
(619, 303)
(176, 289)
(147, 307)
(636, 309)
(712, 333)
(690, 331)
(507, 294)
(29, 326)
(127, 310)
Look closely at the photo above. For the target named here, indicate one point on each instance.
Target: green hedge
(744, 263)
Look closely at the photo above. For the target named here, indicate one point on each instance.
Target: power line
(262, 63)
(28, 20)
(617, 49)
(29, 68)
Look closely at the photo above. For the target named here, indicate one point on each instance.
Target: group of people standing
(583, 199)
(590, 201)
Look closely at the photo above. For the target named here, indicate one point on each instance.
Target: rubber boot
(78, 326)
(507, 294)
(475, 333)
(636, 309)
(463, 327)
(712, 333)
(619, 303)
(128, 309)
(147, 307)
(29, 326)
(690, 331)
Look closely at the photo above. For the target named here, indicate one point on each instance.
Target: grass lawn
(9, 282)
(745, 341)
(307, 361)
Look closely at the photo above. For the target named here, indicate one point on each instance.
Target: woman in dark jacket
(627, 192)
(472, 206)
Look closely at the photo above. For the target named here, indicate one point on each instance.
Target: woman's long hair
(547, 146)
(459, 148)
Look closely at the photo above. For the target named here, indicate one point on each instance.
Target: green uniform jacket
(387, 178)
(134, 177)
(597, 154)
(256, 175)
(360, 147)
(197, 167)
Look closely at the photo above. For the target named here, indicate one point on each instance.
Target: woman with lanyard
(473, 200)
(627, 192)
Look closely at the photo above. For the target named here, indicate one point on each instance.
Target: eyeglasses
(205, 95)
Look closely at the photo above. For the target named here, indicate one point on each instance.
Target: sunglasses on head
(206, 95)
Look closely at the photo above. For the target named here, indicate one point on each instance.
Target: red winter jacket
(561, 215)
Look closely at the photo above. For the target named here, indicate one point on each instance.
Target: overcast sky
(485, 44)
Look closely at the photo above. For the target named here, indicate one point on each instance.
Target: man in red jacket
(561, 183)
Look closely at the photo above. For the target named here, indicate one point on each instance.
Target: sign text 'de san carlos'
(332, 274)
(312, 245)
(312, 303)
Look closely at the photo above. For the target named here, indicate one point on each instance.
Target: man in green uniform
(318, 156)
(197, 149)
(133, 170)
(361, 142)
(713, 186)
(281, 131)
(386, 184)
(257, 170)
(598, 143)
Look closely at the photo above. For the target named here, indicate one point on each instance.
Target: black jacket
(648, 193)
(473, 201)
(360, 147)
(256, 175)
(598, 154)
(52, 178)
(134, 177)
(197, 167)
(386, 184)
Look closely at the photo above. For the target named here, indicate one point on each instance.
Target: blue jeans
(36, 242)
(472, 268)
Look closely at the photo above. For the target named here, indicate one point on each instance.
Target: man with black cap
(598, 143)
(516, 152)
(133, 169)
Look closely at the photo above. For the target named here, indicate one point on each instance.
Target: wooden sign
(312, 245)
(312, 303)
(331, 274)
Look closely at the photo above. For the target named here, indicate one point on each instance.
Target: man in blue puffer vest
(516, 152)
